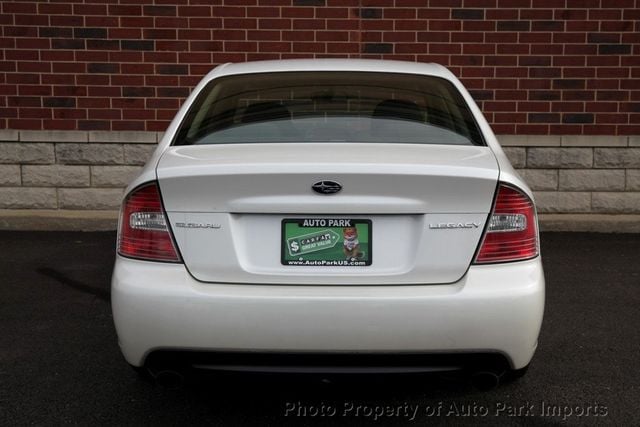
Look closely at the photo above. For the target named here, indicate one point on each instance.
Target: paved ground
(60, 363)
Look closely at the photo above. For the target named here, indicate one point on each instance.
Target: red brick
(175, 22)
(466, 37)
(94, 102)
(125, 10)
(274, 47)
(399, 13)
(33, 67)
(58, 79)
(101, 21)
(104, 114)
(197, 11)
(244, 23)
(11, 31)
(581, 25)
(35, 90)
(433, 13)
(536, 14)
(137, 22)
(510, 117)
(309, 47)
(69, 113)
(228, 35)
(433, 36)
(499, 106)
(128, 125)
(612, 72)
(520, 72)
(173, 45)
(597, 14)
(513, 49)
(606, 107)
(194, 34)
(398, 36)
(478, 49)
(54, 9)
(236, 46)
(36, 113)
(443, 25)
(271, 35)
(466, 60)
(478, 26)
(413, 48)
(554, 49)
(343, 47)
(532, 129)
(230, 11)
(59, 124)
(330, 12)
(127, 80)
(342, 24)
(310, 24)
(90, 9)
(70, 91)
(386, 25)
(503, 14)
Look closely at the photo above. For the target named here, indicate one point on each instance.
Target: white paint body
(421, 294)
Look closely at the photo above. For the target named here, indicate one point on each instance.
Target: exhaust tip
(485, 380)
(170, 379)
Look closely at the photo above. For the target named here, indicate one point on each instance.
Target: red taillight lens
(143, 232)
(512, 233)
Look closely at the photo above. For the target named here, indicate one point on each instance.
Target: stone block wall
(579, 174)
(78, 170)
(70, 170)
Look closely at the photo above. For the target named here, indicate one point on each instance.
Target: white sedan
(329, 215)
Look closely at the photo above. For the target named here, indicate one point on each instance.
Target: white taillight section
(512, 232)
(507, 222)
(147, 221)
(143, 232)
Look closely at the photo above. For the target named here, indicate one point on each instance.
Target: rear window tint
(329, 107)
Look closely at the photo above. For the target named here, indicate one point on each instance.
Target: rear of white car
(340, 214)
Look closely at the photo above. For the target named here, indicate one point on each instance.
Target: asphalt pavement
(60, 362)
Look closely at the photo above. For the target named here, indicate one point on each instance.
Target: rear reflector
(143, 232)
(512, 233)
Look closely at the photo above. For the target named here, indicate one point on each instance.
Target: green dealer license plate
(326, 242)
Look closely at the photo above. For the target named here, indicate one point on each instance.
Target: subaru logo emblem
(326, 187)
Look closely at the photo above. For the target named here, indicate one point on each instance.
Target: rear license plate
(326, 242)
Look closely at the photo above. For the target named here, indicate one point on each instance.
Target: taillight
(143, 232)
(512, 232)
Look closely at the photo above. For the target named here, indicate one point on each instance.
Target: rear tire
(143, 373)
(513, 375)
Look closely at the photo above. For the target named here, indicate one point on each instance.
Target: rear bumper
(492, 309)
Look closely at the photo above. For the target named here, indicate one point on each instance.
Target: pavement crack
(60, 277)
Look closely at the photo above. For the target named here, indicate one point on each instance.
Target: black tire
(143, 373)
(514, 374)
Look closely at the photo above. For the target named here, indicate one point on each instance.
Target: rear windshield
(329, 107)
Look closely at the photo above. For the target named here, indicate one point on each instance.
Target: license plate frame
(325, 242)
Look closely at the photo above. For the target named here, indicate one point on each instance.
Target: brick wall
(88, 87)
(558, 67)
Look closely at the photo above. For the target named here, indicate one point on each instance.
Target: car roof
(331, 64)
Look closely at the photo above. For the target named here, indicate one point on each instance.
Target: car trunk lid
(427, 205)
